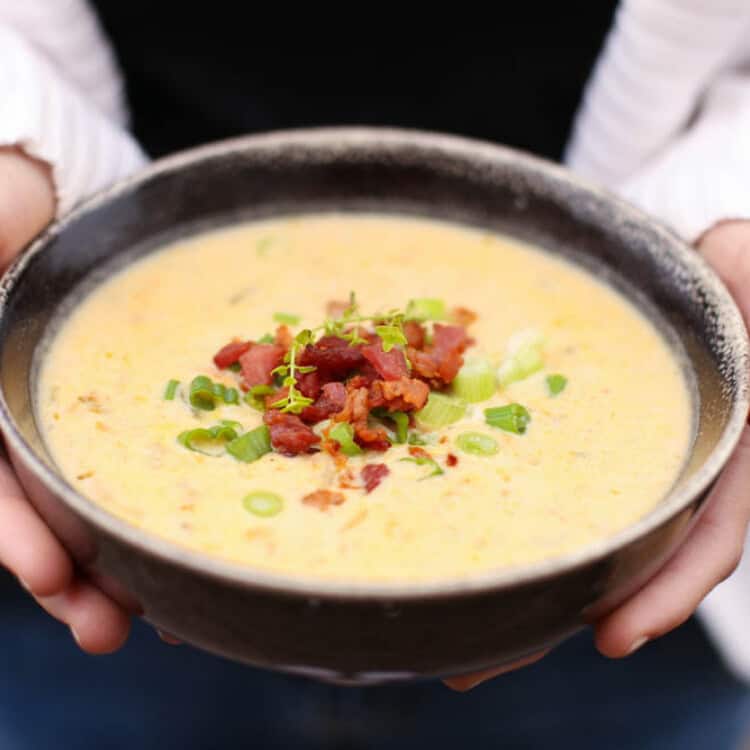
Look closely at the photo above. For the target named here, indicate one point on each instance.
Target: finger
(168, 638)
(27, 547)
(468, 681)
(726, 247)
(98, 625)
(27, 200)
(710, 554)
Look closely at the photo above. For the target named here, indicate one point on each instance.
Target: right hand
(28, 549)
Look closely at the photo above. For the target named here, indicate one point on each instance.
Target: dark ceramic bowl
(372, 633)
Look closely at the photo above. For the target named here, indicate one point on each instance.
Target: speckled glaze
(374, 633)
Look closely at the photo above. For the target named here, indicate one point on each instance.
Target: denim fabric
(673, 695)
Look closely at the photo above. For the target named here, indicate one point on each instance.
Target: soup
(480, 403)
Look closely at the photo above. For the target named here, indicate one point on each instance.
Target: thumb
(27, 201)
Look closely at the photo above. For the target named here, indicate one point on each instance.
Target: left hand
(714, 547)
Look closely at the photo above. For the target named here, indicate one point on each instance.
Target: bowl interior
(388, 171)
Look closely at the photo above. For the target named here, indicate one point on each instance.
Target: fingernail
(638, 643)
(168, 638)
(76, 637)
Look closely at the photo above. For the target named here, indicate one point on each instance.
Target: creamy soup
(599, 426)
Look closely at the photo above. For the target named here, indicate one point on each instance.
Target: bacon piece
(323, 499)
(275, 397)
(284, 338)
(389, 365)
(332, 400)
(309, 384)
(333, 361)
(356, 411)
(462, 316)
(258, 362)
(418, 452)
(404, 394)
(373, 475)
(415, 334)
(289, 434)
(451, 460)
(440, 364)
(230, 353)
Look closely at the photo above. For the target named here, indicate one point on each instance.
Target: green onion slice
(426, 461)
(263, 504)
(524, 357)
(426, 308)
(256, 396)
(477, 444)
(476, 380)
(171, 390)
(286, 318)
(252, 445)
(556, 383)
(441, 410)
(421, 438)
(266, 338)
(402, 425)
(343, 434)
(202, 393)
(511, 418)
(211, 441)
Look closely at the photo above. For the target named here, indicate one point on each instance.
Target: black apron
(199, 74)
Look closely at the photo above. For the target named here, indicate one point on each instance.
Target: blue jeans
(673, 695)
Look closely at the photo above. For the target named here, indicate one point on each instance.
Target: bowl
(362, 633)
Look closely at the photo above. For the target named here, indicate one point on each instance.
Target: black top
(200, 75)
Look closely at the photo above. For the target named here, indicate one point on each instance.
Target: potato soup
(364, 397)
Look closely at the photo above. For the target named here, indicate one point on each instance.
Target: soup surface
(598, 436)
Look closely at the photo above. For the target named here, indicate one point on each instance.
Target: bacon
(389, 365)
(309, 384)
(230, 353)
(323, 499)
(258, 362)
(440, 364)
(284, 338)
(404, 394)
(331, 401)
(333, 361)
(451, 459)
(275, 397)
(373, 474)
(356, 411)
(462, 316)
(415, 334)
(289, 434)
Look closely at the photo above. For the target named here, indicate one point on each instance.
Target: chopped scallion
(171, 390)
(263, 504)
(556, 384)
(252, 445)
(426, 461)
(511, 418)
(256, 396)
(235, 367)
(343, 434)
(477, 444)
(441, 410)
(202, 393)
(421, 438)
(476, 380)
(266, 338)
(231, 396)
(286, 318)
(209, 441)
(426, 308)
(401, 420)
(523, 358)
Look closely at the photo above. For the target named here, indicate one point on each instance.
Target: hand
(27, 547)
(714, 547)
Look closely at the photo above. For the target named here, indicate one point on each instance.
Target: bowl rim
(489, 580)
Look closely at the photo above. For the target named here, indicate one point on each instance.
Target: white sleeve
(62, 97)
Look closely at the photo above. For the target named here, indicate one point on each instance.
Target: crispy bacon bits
(451, 460)
(323, 499)
(229, 354)
(289, 434)
(258, 362)
(372, 475)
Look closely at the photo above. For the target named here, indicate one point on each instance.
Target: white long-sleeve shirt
(665, 121)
